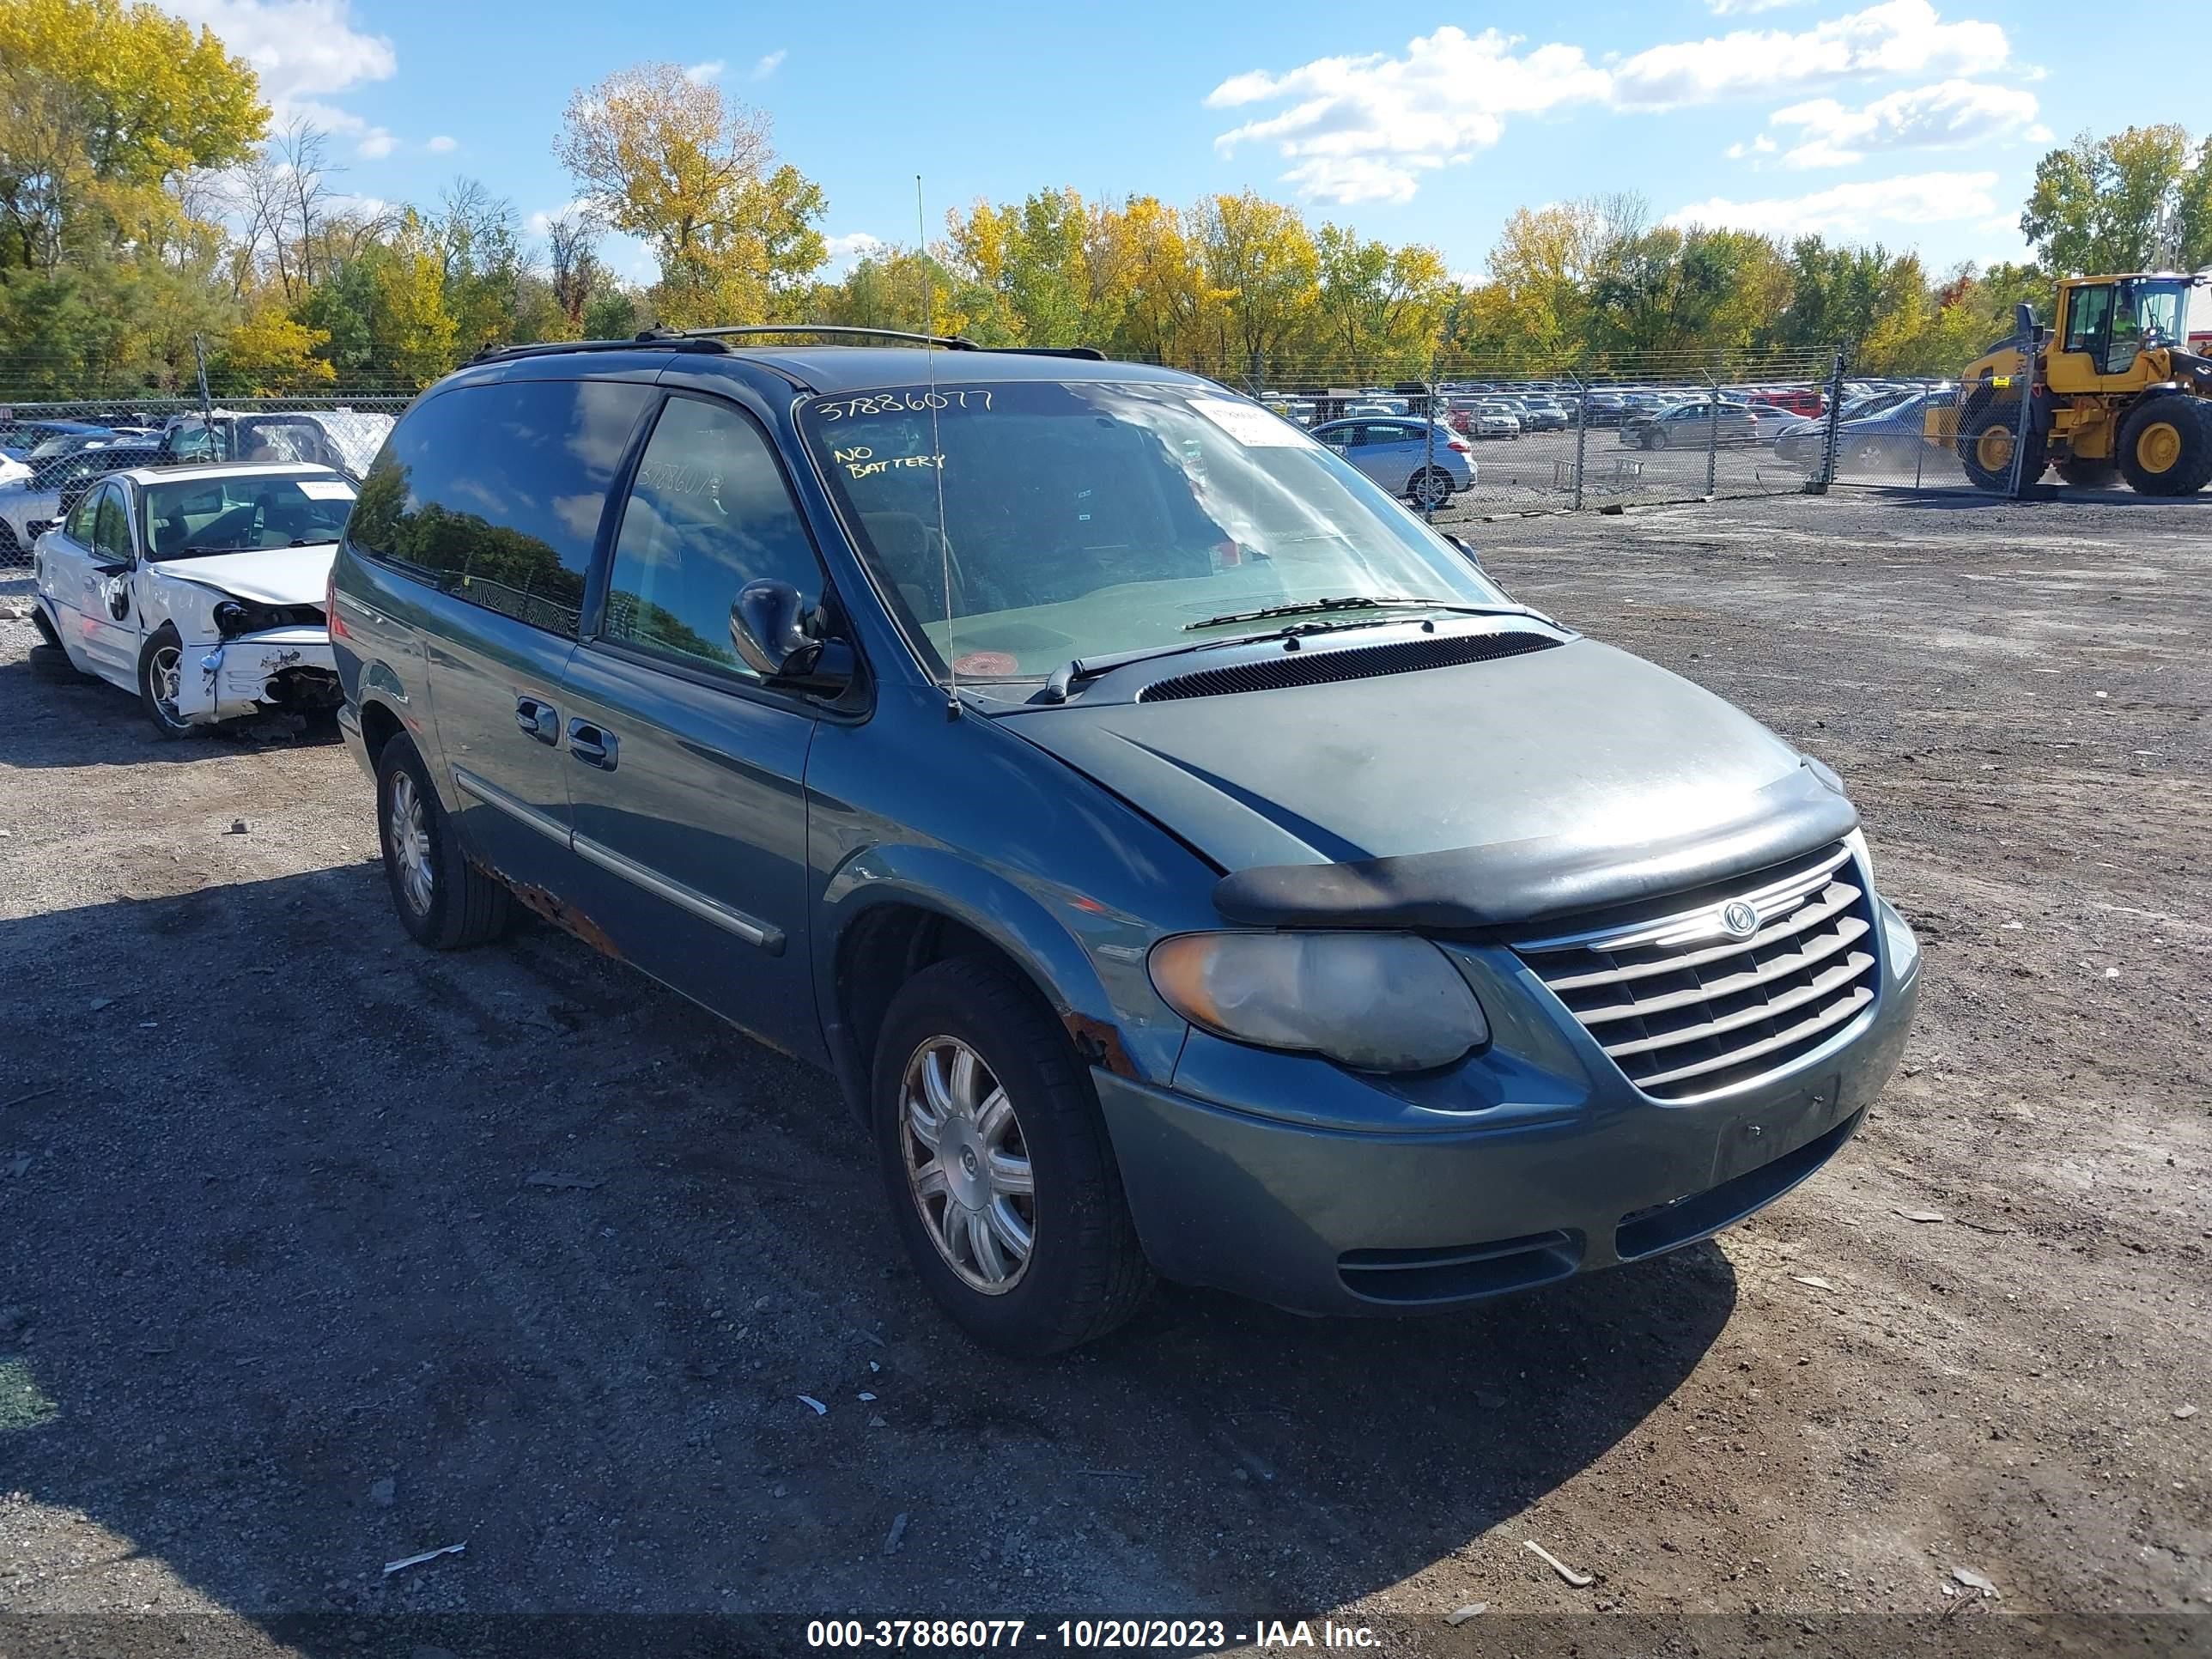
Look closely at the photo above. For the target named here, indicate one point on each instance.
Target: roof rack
(950, 342)
(549, 348)
(1087, 354)
(710, 339)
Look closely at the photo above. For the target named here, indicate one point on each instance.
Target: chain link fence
(1659, 428)
(1460, 437)
(50, 453)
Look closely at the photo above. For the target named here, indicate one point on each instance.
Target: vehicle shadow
(51, 720)
(353, 1252)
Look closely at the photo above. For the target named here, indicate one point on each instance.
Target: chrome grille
(1685, 1007)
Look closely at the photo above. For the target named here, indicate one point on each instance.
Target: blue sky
(1910, 122)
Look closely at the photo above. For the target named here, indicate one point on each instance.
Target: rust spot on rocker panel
(566, 917)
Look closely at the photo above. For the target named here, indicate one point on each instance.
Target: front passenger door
(111, 639)
(686, 772)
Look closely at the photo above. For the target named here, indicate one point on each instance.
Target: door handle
(593, 745)
(541, 721)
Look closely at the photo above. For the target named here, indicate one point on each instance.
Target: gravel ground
(281, 1302)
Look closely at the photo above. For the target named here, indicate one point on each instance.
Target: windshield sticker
(1250, 424)
(919, 402)
(325, 490)
(861, 462)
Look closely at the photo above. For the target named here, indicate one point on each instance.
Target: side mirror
(1468, 548)
(117, 592)
(767, 626)
(769, 631)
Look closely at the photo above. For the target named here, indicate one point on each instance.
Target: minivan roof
(832, 368)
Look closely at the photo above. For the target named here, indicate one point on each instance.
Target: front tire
(2166, 446)
(161, 677)
(1986, 441)
(443, 901)
(996, 1160)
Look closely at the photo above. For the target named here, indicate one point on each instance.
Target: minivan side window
(708, 513)
(493, 493)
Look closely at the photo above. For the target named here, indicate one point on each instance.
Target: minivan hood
(1473, 796)
(269, 575)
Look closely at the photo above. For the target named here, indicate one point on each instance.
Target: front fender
(1087, 958)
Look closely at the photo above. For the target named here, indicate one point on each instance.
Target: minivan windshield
(243, 514)
(1083, 519)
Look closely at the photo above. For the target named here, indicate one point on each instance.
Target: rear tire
(2084, 473)
(51, 664)
(1651, 438)
(1082, 1272)
(2166, 446)
(1431, 488)
(443, 901)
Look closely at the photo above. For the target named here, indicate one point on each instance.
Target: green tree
(663, 156)
(2123, 203)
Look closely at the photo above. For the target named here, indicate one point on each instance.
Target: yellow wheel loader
(2123, 384)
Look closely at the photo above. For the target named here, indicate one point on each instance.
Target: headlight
(1378, 1002)
(235, 616)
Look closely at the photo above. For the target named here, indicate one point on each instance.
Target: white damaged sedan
(200, 588)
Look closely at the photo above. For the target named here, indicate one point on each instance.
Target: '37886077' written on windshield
(914, 401)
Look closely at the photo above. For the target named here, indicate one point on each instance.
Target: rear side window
(708, 513)
(110, 527)
(493, 493)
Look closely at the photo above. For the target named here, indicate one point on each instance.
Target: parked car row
(61, 458)
(1187, 861)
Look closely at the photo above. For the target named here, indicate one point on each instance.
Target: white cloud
(442, 145)
(710, 70)
(852, 244)
(1899, 37)
(1744, 8)
(1761, 145)
(1949, 115)
(770, 64)
(302, 50)
(541, 220)
(1854, 209)
(375, 144)
(1364, 128)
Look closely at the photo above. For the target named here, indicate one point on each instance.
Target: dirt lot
(282, 1302)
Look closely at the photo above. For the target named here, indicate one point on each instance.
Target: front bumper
(1562, 1167)
(281, 667)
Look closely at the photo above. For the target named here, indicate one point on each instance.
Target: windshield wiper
(1349, 601)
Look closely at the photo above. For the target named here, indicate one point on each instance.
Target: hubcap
(968, 1165)
(167, 676)
(2158, 446)
(410, 843)
(1994, 449)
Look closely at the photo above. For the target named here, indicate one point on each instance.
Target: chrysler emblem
(1739, 919)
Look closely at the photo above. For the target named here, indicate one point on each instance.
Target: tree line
(146, 201)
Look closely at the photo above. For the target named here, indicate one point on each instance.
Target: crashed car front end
(245, 657)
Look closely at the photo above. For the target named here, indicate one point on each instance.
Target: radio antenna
(936, 449)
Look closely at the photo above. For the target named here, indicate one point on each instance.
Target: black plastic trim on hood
(1327, 667)
(1509, 883)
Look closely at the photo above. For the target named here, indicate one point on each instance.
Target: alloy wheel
(409, 827)
(166, 675)
(968, 1165)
